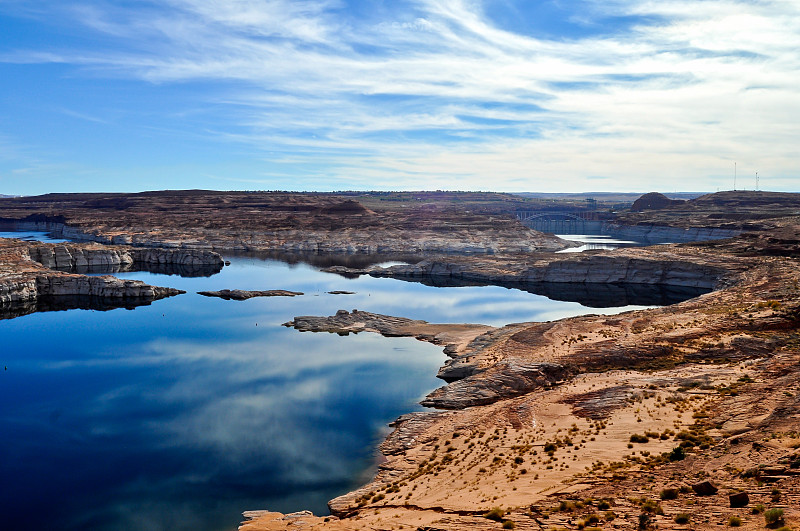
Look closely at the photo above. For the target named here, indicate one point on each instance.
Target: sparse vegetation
(773, 516)
(682, 518)
(668, 494)
(677, 454)
(652, 506)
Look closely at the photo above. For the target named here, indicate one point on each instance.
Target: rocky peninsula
(42, 277)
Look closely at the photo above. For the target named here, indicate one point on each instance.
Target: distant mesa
(654, 201)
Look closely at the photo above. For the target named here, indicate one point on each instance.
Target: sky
(500, 95)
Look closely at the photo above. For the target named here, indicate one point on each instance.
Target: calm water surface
(182, 414)
(595, 241)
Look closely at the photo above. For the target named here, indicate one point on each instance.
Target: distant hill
(654, 201)
(740, 210)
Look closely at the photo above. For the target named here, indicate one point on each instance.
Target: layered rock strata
(81, 257)
(652, 233)
(665, 265)
(24, 280)
(278, 221)
(343, 240)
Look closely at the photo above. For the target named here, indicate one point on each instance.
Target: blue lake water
(184, 413)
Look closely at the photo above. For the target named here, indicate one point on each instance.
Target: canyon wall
(75, 257)
(588, 268)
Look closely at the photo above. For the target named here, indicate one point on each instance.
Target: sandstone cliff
(25, 281)
(81, 257)
(663, 265)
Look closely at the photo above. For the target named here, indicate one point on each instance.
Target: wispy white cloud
(83, 116)
(439, 95)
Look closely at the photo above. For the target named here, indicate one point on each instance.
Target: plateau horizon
(559, 194)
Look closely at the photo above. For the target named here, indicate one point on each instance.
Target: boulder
(739, 499)
(704, 488)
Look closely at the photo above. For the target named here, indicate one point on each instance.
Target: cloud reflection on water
(182, 414)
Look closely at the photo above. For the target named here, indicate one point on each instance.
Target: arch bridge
(560, 221)
(577, 215)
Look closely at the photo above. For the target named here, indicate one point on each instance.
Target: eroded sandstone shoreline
(588, 420)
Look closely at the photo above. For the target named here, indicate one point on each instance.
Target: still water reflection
(184, 413)
(591, 242)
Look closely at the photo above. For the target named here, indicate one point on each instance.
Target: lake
(184, 413)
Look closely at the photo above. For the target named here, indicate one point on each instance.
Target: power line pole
(756, 181)
(734, 176)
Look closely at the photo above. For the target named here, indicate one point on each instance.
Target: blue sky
(506, 95)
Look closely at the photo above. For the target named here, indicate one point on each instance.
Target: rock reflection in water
(181, 270)
(586, 294)
(322, 260)
(70, 302)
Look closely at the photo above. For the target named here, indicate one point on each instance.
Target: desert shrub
(677, 454)
(668, 494)
(638, 438)
(593, 519)
(496, 514)
(773, 516)
(652, 506)
(758, 508)
(682, 518)
(734, 521)
(603, 505)
(508, 524)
